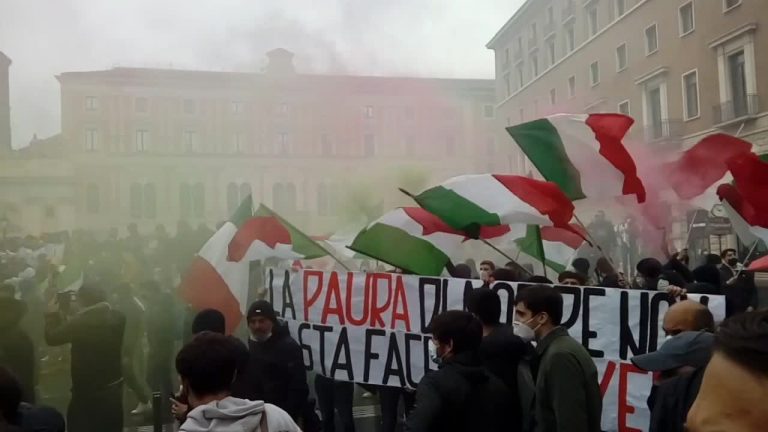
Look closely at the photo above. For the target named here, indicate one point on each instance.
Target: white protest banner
(372, 328)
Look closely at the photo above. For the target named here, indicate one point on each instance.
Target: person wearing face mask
(738, 285)
(276, 363)
(486, 270)
(568, 395)
(461, 395)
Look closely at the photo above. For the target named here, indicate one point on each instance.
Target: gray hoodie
(238, 415)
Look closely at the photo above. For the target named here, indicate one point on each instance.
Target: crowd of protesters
(124, 328)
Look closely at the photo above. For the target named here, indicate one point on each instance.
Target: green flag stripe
(300, 243)
(243, 212)
(400, 249)
(455, 210)
(541, 142)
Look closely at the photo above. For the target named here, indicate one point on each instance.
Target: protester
(567, 392)
(336, 398)
(501, 350)
(276, 365)
(688, 315)
(571, 278)
(603, 269)
(706, 281)
(615, 280)
(461, 395)
(735, 384)
(95, 333)
(133, 346)
(679, 364)
(503, 274)
(486, 269)
(21, 415)
(738, 284)
(207, 365)
(581, 266)
(16, 349)
(537, 279)
(678, 263)
(162, 334)
(461, 271)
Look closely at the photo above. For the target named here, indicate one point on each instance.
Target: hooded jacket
(238, 415)
(461, 396)
(96, 335)
(501, 352)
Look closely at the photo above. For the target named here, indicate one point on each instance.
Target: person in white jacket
(207, 367)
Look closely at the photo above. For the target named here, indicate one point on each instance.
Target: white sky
(442, 38)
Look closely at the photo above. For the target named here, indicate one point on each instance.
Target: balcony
(741, 108)
(667, 133)
(568, 11)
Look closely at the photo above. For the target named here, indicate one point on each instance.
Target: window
(282, 109)
(621, 8)
(552, 96)
(233, 198)
(651, 39)
(534, 66)
(142, 140)
(92, 198)
(91, 103)
(551, 51)
(550, 15)
(368, 112)
(189, 139)
(534, 35)
(284, 197)
(592, 25)
(238, 142)
(136, 202)
(326, 146)
(185, 199)
(655, 109)
(150, 201)
(519, 43)
(141, 105)
(686, 20)
(737, 81)
(655, 112)
(594, 73)
(572, 87)
(450, 146)
(520, 77)
(198, 200)
(488, 111)
(323, 200)
(506, 57)
(621, 57)
(730, 4)
(570, 38)
(369, 145)
(624, 107)
(283, 143)
(190, 107)
(91, 139)
(691, 94)
(237, 107)
(507, 84)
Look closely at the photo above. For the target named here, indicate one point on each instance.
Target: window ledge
(692, 118)
(648, 54)
(745, 118)
(687, 33)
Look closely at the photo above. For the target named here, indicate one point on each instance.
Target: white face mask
(260, 338)
(484, 274)
(436, 359)
(522, 330)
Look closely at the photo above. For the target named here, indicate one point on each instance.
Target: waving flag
(583, 154)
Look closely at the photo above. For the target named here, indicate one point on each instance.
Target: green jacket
(567, 391)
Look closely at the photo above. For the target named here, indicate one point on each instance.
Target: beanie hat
(209, 320)
(262, 308)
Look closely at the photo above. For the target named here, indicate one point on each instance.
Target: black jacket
(96, 335)
(672, 401)
(16, 349)
(741, 294)
(276, 372)
(461, 396)
(501, 352)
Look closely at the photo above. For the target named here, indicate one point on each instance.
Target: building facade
(682, 69)
(152, 146)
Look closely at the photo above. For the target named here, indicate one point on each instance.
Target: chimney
(280, 62)
(5, 104)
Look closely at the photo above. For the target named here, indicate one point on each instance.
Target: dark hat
(685, 349)
(209, 320)
(262, 308)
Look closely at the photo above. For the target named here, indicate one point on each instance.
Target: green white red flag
(472, 202)
(744, 200)
(583, 154)
(218, 275)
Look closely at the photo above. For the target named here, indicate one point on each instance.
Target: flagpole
(541, 248)
(746, 258)
(313, 241)
(500, 252)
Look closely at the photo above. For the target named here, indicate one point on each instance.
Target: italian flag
(554, 247)
(469, 203)
(218, 275)
(583, 154)
(704, 164)
(410, 238)
(744, 200)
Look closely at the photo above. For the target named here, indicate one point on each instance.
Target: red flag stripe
(266, 229)
(203, 288)
(610, 130)
(546, 197)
